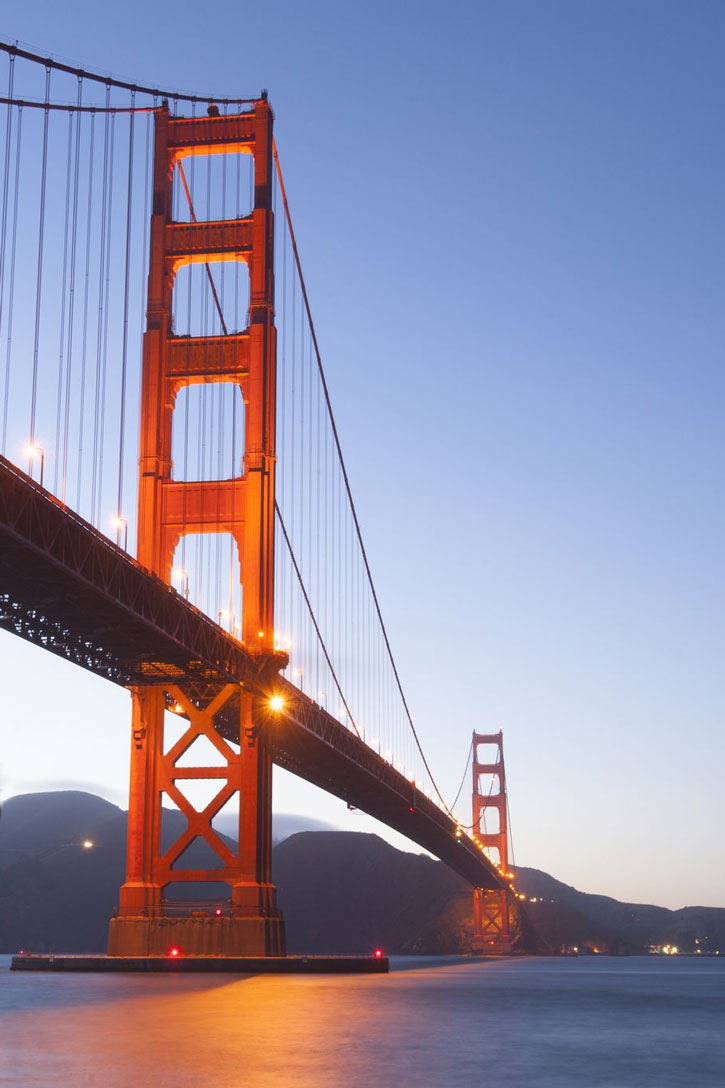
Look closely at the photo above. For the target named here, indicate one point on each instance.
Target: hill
(341, 892)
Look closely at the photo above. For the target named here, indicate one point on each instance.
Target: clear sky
(511, 222)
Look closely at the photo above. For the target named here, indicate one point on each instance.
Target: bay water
(546, 1022)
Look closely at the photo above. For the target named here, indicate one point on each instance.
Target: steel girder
(67, 588)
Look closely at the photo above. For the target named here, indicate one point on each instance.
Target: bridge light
(276, 703)
(34, 453)
(378, 953)
(87, 844)
(181, 576)
(174, 951)
(119, 522)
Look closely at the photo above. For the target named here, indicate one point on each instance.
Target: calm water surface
(549, 1023)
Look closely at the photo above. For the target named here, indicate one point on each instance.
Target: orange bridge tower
(147, 922)
(492, 909)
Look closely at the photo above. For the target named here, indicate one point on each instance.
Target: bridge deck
(66, 587)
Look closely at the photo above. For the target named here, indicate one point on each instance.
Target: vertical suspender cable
(71, 298)
(106, 308)
(11, 293)
(144, 251)
(124, 349)
(6, 185)
(86, 285)
(63, 295)
(99, 329)
(39, 279)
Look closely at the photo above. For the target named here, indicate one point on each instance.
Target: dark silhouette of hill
(342, 892)
(566, 916)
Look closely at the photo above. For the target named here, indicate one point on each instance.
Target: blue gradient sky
(511, 222)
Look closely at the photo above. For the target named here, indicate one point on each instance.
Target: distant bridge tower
(243, 506)
(492, 909)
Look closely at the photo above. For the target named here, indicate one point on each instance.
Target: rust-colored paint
(491, 909)
(170, 508)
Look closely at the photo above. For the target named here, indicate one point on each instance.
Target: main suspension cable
(69, 107)
(465, 772)
(348, 489)
(310, 609)
(111, 81)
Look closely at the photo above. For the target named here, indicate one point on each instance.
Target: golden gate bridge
(162, 382)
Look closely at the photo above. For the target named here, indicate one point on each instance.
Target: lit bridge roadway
(66, 587)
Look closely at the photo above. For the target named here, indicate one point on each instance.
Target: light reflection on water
(552, 1023)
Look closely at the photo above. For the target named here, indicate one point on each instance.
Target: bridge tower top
(242, 506)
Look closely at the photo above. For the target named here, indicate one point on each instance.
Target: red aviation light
(378, 953)
(174, 951)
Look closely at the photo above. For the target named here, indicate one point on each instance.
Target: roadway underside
(65, 587)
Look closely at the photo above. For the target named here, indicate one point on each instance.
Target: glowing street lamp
(87, 844)
(229, 620)
(181, 576)
(119, 523)
(34, 453)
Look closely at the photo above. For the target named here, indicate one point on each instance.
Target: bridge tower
(147, 923)
(491, 909)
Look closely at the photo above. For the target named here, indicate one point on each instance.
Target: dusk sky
(510, 217)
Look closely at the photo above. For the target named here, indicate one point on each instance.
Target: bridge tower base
(492, 935)
(245, 921)
(196, 936)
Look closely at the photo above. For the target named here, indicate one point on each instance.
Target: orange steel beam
(491, 907)
(208, 358)
(168, 509)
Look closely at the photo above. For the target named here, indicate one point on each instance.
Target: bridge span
(67, 588)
